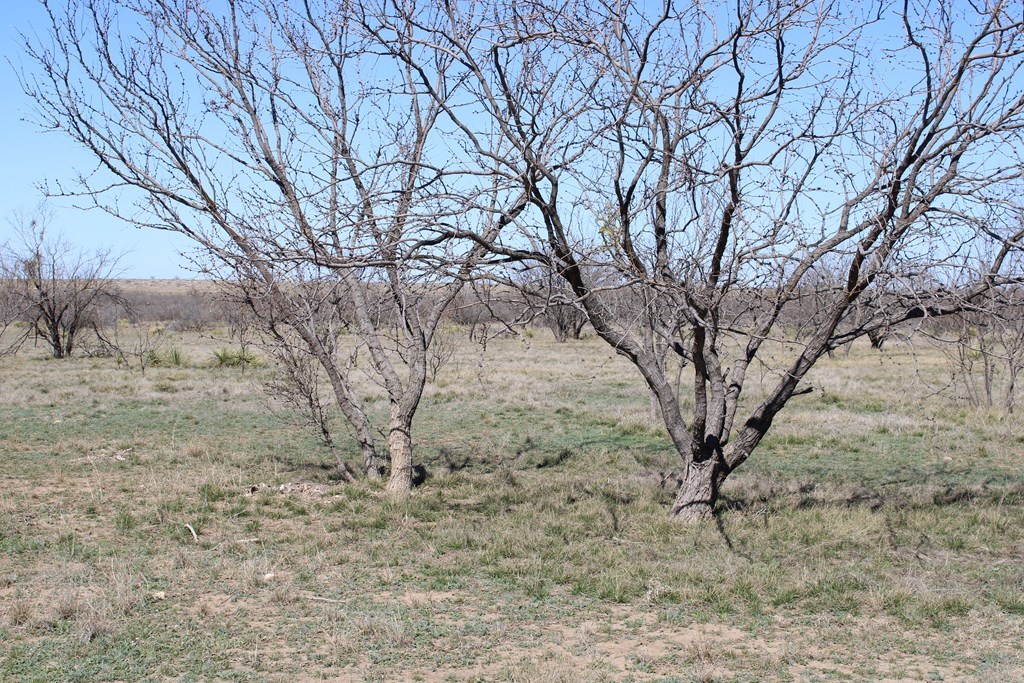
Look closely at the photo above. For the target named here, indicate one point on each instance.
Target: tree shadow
(897, 494)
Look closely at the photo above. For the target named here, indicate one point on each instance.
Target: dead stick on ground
(317, 598)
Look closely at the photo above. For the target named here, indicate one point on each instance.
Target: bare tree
(551, 299)
(134, 342)
(13, 314)
(712, 166)
(985, 348)
(291, 145)
(741, 147)
(298, 386)
(52, 286)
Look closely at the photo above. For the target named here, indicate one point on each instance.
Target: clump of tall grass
(235, 358)
(169, 358)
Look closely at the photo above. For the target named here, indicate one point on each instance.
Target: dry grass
(876, 535)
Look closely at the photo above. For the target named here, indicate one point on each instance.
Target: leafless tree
(985, 348)
(298, 386)
(13, 314)
(712, 165)
(291, 145)
(739, 148)
(135, 343)
(442, 351)
(53, 287)
(553, 302)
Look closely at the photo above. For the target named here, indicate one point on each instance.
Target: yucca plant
(235, 358)
(175, 358)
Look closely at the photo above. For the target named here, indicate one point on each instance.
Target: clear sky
(30, 157)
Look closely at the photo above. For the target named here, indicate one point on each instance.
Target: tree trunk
(878, 338)
(345, 472)
(697, 493)
(372, 464)
(577, 328)
(400, 447)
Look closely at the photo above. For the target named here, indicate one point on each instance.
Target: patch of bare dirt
(217, 605)
(104, 455)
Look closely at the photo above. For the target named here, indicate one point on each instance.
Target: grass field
(171, 527)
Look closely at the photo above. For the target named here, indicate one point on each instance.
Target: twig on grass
(317, 598)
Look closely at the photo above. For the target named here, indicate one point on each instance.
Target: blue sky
(31, 157)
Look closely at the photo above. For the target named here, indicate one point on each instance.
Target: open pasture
(169, 526)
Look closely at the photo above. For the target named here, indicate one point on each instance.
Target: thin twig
(317, 598)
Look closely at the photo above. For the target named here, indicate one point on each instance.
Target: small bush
(171, 358)
(235, 358)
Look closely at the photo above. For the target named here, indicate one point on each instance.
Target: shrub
(235, 358)
(171, 358)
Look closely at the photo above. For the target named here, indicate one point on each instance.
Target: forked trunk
(400, 447)
(697, 492)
